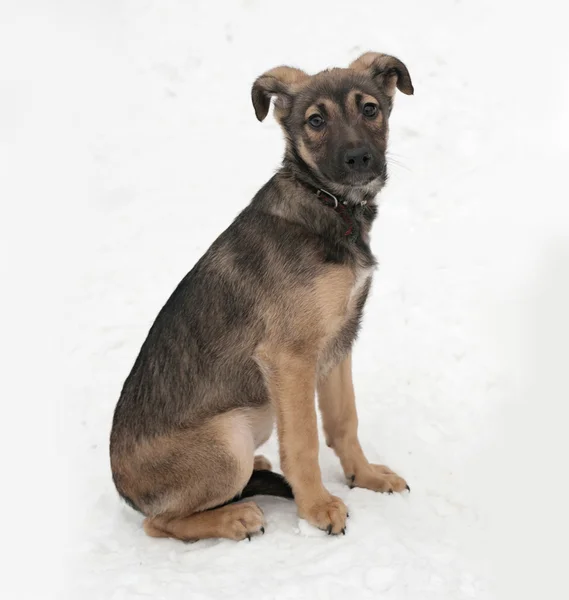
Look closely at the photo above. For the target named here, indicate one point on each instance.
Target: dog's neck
(294, 167)
(356, 207)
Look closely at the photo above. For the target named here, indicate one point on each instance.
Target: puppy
(264, 321)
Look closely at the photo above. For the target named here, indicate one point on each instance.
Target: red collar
(346, 212)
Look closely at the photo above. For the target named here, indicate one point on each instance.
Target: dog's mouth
(354, 179)
(357, 180)
(364, 180)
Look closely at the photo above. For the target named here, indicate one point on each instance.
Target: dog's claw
(263, 530)
(248, 536)
(329, 529)
(344, 531)
(390, 491)
(408, 488)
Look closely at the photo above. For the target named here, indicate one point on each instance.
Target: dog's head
(336, 122)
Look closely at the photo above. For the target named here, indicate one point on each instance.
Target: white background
(128, 143)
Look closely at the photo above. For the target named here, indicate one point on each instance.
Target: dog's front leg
(292, 381)
(340, 420)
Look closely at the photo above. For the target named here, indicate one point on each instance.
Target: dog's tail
(266, 483)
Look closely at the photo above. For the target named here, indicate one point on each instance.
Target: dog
(263, 322)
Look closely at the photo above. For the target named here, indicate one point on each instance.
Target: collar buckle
(321, 191)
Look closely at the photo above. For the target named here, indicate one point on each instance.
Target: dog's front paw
(378, 478)
(328, 514)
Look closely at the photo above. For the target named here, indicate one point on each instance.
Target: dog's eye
(369, 109)
(315, 121)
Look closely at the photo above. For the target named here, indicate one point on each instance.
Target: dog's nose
(358, 159)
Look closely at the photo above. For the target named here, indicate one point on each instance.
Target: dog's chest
(343, 326)
(348, 308)
(361, 282)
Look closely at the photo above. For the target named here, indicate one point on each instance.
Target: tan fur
(339, 418)
(291, 383)
(262, 463)
(365, 61)
(332, 111)
(351, 105)
(291, 379)
(306, 155)
(333, 297)
(290, 75)
(223, 447)
(396, 74)
(261, 422)
(331, 108)
(234, 521)
(353, 109)
(289, 78)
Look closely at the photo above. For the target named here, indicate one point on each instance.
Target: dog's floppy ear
(281, 82)
(389, 71)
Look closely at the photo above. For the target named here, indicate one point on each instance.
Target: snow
(130, 143)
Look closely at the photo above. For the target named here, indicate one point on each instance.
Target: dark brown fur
(269, 311)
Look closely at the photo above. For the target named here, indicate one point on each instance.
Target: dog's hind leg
(233, 521)
(173, 476)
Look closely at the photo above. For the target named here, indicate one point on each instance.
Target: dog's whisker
(394, 154)
(398, 164)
